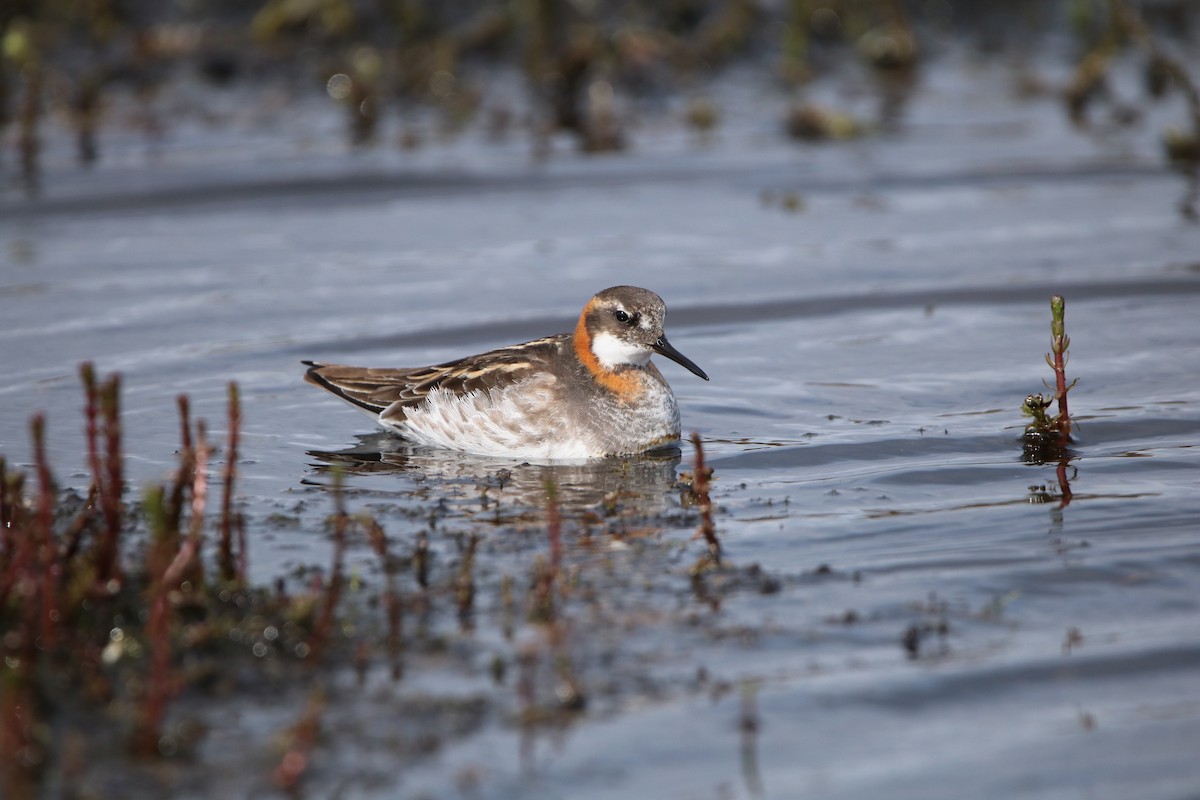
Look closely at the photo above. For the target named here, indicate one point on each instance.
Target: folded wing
(395, 390)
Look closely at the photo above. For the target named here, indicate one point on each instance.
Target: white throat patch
(613, 352)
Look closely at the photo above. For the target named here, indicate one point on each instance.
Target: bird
(591, 393)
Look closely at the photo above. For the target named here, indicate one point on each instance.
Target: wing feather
(394, 390)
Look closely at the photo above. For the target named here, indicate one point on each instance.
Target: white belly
(525, 421)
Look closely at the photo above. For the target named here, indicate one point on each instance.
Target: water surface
(910, 606)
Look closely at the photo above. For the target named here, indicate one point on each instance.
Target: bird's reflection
(635, 484)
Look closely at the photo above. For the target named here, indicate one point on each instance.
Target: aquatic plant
(1180, 143)
(19, 50)
(580, 61)
(102, 408)
(127, 638)
(1047, 433)
(232, 569)
(1171, 72)
(701, 479)
(812, 123)
(112, 677)
(1120, 24)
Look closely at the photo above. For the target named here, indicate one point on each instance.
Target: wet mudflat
(907, 606)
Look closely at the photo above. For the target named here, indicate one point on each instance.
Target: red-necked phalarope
(586, 394)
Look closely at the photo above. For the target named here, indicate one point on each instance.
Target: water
(926, 610)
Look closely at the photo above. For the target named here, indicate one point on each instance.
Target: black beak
(663, 347)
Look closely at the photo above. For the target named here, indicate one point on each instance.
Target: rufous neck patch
(624, 383)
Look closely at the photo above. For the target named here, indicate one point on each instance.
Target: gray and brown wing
(379, 389)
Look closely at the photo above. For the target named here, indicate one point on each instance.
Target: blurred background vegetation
(62, 61)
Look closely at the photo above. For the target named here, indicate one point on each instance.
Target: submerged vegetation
(90, 623)
(1048, 436)
(585, 68)
(96, 634)
(122, 620)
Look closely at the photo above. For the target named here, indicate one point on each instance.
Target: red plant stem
(190, 549)
(105, 476)
(112, 484)
(199, 482)
(5, 511)
(7, 539)
(183, 559)
(16, 538)
(158, 683)
(165, 561)
(701, 476)
(29, 601)
(187, 465)
(225, 552)
(73, 536)
(87, 375)
(1059, 342)
(185, 426)
(1060, 390)
(50, 568)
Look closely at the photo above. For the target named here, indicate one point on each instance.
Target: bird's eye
(621, 315)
